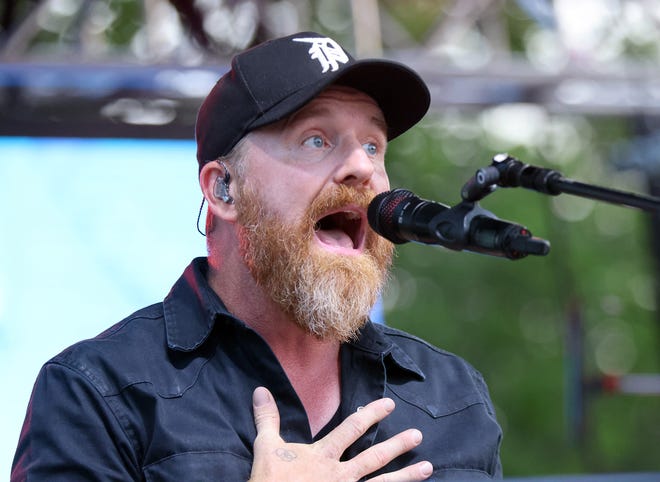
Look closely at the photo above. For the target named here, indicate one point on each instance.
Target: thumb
(266, 415)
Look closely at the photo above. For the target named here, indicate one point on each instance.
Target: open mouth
(341, 230)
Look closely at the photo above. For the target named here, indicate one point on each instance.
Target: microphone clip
(469, 225)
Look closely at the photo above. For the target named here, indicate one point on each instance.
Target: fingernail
(417, 436)
(389, 404)
(426, 469)
(260, 397)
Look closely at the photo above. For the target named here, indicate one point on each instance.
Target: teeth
(352, 215)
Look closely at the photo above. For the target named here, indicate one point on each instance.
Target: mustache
(336, 197)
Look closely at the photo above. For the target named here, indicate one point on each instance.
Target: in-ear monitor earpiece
(221, 188)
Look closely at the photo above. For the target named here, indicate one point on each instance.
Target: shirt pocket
(461, 436)
(199, 467)
(440, 406)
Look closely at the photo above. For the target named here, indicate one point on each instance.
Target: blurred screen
(92, 230)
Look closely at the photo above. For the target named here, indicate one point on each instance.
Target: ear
(208, 176)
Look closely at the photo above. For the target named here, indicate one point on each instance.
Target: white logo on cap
(326, 51)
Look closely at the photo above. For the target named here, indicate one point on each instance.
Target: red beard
(328, 294)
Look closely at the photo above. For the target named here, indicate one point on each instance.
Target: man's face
(302, 209)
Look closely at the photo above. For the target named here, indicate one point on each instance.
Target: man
(291, 149)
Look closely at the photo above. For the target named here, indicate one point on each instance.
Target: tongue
(334, 237)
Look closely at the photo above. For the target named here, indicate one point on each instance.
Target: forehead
(338, 96)
(335, 100)
(343, 93)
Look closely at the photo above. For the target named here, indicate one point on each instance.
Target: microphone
(400, 216)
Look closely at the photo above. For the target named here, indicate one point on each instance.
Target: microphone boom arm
(507, 171)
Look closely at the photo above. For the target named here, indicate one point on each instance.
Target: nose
(356, 167)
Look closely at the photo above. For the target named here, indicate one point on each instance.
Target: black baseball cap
(276, 78)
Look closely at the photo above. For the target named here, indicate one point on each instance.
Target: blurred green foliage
(510, 318)
(128, 18)
(418, 16)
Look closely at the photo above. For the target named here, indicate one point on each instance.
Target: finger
(354, 426)
(412, 473)
(383, 453)
(266, 414)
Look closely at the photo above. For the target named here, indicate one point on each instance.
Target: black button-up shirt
(165, 395)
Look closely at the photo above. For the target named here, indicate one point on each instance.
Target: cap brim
(399, 92)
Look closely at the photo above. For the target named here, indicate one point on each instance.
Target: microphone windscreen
(381, 213)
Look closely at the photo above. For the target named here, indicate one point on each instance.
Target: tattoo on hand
(286, 455)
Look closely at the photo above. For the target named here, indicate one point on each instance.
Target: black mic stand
(500, 238)
(507, 171)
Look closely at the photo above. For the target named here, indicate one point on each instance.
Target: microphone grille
(381, 213)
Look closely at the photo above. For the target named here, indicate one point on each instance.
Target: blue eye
(370, 148)
(315, 141)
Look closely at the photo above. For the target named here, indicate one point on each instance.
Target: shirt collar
(190, 308)
(376, 338)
